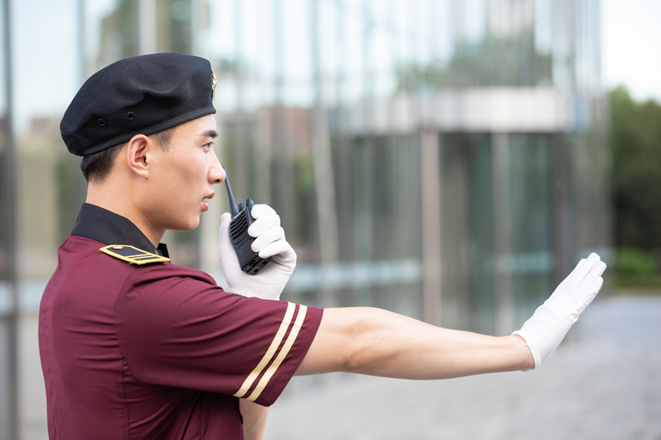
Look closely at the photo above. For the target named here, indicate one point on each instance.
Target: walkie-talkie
(249, 261)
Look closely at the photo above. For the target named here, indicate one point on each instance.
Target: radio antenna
(233, 208)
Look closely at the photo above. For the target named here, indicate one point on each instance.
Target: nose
(216, 171)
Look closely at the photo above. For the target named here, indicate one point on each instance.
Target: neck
(119, 202)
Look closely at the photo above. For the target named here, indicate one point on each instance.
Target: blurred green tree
(635, 140)
(636, 147)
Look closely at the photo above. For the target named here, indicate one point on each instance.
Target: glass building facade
(444, 159)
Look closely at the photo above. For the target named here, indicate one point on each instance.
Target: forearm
(254, 419)
(415, 350)
(381, 343)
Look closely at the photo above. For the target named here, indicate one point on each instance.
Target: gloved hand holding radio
(548, 326)
(269, 241)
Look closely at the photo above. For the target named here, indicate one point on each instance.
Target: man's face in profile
(182, 176)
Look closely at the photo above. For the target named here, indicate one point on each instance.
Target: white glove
(269, 242)
(548, 326)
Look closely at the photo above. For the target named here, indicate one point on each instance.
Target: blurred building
(441, 158)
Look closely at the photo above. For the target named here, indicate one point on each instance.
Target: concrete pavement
(603, 383)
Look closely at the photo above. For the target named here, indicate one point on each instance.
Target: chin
(187, 226)
(193, 225)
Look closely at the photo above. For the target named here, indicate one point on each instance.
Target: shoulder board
(132, 254)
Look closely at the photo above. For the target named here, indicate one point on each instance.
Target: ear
(138, 155)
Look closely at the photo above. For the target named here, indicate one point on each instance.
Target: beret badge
(213, 84)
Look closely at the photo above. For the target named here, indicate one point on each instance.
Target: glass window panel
(258, 25)
(173, 26)
(532, 252)
(115, 28)
(5, 404)
(39, 104)
(6, 357)
(354, 53)
(4, 182)
(468, 232)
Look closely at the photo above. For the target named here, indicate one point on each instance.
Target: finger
(273, 234)
(226, 252)
(267, 221)
(572, 277)
(225, 218)
(583, 269)
(595, 272)
(598, 269)
(596, 286)
(223, 233)
(592, 292)
(281, 251)
(261, 210)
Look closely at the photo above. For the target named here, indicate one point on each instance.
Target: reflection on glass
(370, 72)
(119, 31)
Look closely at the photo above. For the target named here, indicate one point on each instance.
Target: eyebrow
(209, 133)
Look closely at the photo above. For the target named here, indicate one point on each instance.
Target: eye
(207, 146)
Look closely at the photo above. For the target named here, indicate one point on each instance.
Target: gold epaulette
(133, 255)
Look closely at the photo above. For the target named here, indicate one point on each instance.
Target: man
(136, 347)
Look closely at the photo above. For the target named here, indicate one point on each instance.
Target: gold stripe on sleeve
(281, 356)
(279, 336)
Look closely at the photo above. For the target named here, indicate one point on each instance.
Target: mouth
(205, 205)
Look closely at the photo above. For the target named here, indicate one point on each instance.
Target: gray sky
(630, 46)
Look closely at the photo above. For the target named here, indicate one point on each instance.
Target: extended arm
(381, 343)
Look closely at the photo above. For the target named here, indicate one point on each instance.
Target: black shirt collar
(109, 228)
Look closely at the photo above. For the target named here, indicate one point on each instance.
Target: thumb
(226, 253)
(223, 233)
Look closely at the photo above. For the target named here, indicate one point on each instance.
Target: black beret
(139, 95)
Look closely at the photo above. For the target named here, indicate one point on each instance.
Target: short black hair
(163, 138)
(95, 167)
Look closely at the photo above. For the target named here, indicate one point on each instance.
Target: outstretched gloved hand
(269, 241)
(548, 326)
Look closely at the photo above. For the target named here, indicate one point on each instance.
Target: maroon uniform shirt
(156, 351)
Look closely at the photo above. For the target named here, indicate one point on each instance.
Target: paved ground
(603, 383)
(33, 397)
